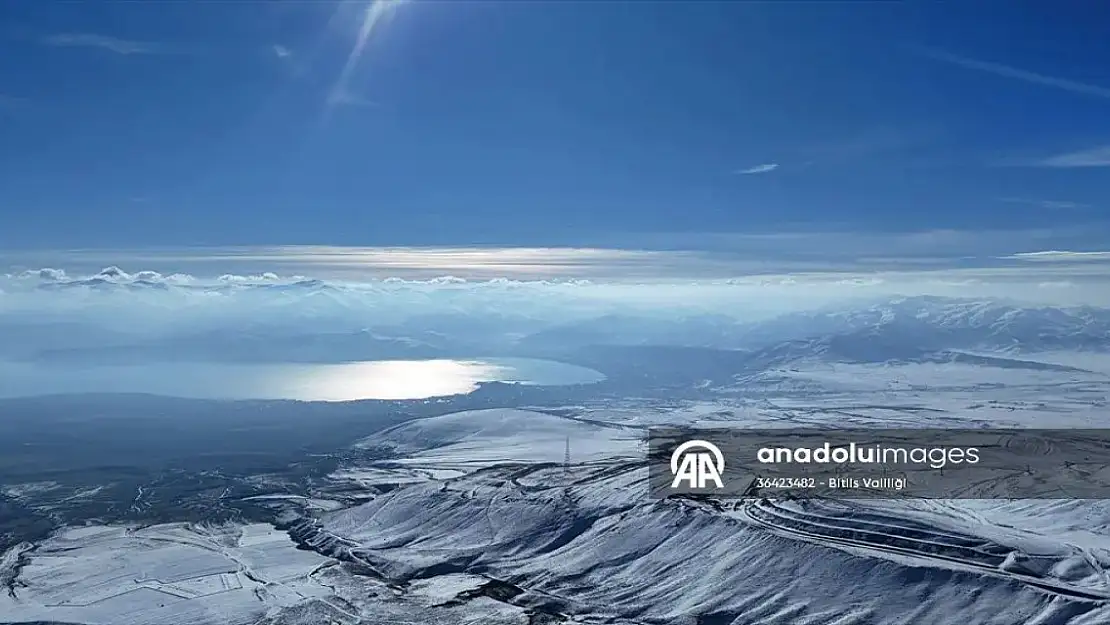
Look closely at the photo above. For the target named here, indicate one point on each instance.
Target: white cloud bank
(679, 259)
(751, 275)
(333, 289)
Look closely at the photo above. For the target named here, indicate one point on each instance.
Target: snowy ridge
(584, 540)
(578, 549)
(481, 438)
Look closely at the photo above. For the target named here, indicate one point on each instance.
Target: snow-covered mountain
(584, 541)
(317, 322)
(930, 323)
(876, 329)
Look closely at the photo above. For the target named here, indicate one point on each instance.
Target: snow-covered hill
(584, 540)
(465, 441)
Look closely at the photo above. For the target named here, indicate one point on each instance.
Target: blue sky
(548, 123)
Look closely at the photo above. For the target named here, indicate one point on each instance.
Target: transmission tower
(566, 458)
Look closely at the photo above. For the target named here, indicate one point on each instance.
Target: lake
(380, 379)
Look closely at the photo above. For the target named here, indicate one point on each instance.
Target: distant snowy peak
(922, 324)
(117, 315)
(875, 331)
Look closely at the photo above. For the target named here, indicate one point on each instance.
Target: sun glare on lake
(390, 379)
(372, 379)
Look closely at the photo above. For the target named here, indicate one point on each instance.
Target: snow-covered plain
(230, 575)
(162, 574)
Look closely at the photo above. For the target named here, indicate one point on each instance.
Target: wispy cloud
(281, 51)
(1046, 204)
(1061, 256)
(758, 169)
(689, 255)
(1093, 157)
(111, 44)
(1007, 71)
